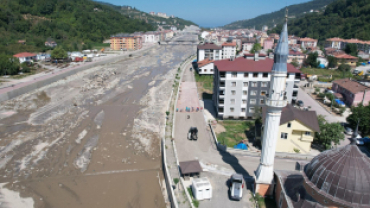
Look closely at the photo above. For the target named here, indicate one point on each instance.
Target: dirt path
(91, 140)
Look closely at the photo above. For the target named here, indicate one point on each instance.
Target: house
(363, 55)
(293, 40)
(334, 178)
(205, 66)
(297, 129)
(340, 44)
(348, 59)
(125, 41)
(149, 37)
(228, 50)
(268, 44)
(51, 43)
(240, 85)
(308, 42)
(352, 91)
(26, 57)
(209, 51)
(296, 55)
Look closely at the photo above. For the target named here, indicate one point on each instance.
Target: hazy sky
(209, 13)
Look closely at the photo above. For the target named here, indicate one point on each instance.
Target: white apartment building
(148, 37)
(228, 50)
(241, 85)
(209, 51)
(160, 14)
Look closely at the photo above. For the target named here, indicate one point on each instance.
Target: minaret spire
(275, 102)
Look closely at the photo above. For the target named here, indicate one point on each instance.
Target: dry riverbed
(92, 139)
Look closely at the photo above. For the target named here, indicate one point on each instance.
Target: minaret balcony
(276, 103)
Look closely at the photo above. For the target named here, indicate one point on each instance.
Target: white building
(205, 67)
(25, 57)
(160, 14)
(209, 51)
(148, 37)
(228, 50)
(240, 86)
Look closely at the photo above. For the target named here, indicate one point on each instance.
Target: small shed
(201, 188)
(190, 168)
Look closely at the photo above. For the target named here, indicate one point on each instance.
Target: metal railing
(276, 103)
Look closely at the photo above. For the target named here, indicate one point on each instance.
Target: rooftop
(24, 54)
(229, 44)
(204, 62)
(209, 46)
(249, 65)
(308, 39)
(290, 113)
(352, 86)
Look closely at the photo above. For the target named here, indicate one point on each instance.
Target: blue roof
(241, 146)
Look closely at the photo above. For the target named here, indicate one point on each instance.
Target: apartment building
(228, 50)
(240, 85)
(209, 51)
(308, 42)
(125, 41)
(340, 44)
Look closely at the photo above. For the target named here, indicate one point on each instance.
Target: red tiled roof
(24, 54)
(252, 54)
(351, 85)
(249, 65)
(204, 62)
(295, 53)
(229, 44)
(308, 40)
(344, 56)
(335, 39)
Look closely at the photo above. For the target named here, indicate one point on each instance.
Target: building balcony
(276, 103)
(295, 86)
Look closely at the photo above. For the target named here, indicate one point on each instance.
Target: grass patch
(205, 85)
(324, 74)
(263, 202)
(235, 132)
(99, 46)
(195, 202)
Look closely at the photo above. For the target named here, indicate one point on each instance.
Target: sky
(209, 13)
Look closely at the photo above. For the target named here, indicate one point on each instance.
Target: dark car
(300, 103)
(193, 133)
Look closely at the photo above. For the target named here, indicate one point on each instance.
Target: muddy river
(92, 139)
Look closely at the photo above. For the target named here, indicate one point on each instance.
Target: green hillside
(344, 19)
(68, 22)
(277, 17)
(134, 13)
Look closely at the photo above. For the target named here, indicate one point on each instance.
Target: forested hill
(68, 22)
(153, 20)
(277, 17)
(344, 19)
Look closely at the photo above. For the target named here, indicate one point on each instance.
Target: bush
(296, 150)
(176, 181)
(25, 68)
(167, 113)
(321, 95)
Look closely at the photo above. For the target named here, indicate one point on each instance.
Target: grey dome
(341, 175)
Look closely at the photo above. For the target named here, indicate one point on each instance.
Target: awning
(189, 167)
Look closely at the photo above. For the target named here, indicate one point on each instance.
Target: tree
(312, 60)
(329, 133)
(295, 62)
(333, 62)
(344, 68)
(59, 53)
(256, 48)
(363, 113)
(351, 48)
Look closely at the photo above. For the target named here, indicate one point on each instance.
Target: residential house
(228, 50)
(26, 57)
(205, 67)
(308, 42)
(293, 40)
(125, 41)
(296, 55)
(296, 131)
(340, 44)
(240, 85)
(363, 55)
(268, 44)
(336, 43)
(209, 51)
(352, 91)
(348, 59)
(152, 13)
(51, 43)
(149, 37)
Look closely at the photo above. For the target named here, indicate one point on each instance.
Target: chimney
(256, 56)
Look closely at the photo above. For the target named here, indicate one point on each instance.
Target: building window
(253, 101)
(244, 101)
(245, 92)
(255, 74)
(263, 92)
(262, 101)
(264, 84)
(254, 84)
(289, 125)
(234, 74)
(205, 70)
(284, 136)
(232, 101)
(287, 75)
(243, 110)
(246, 74)
(251, 110)
(233, 92)
(307, 133)
(245, 84)
(211, 70)
(265, 75)
(232, 110)
(254, 92)
(233, 84)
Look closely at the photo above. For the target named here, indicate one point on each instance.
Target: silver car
(348, 130)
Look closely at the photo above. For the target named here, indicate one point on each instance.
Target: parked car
(366, 140)
(193, 133)
(356, 71)
(236, 185)
(348, 130)
(300, 103)
(360, 141)
(329, 91)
